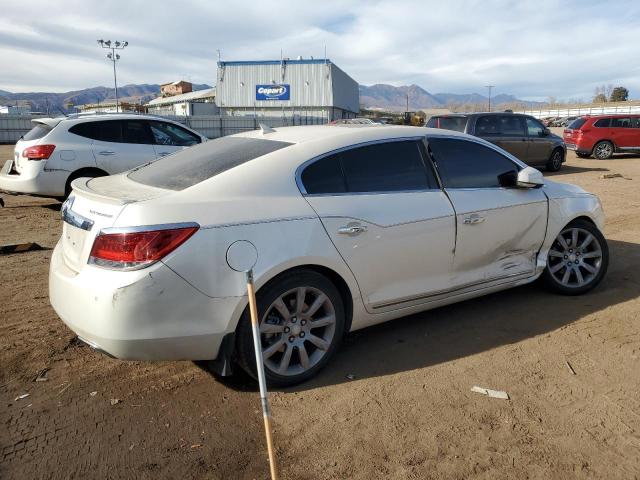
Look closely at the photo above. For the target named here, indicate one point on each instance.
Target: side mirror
(529, 178)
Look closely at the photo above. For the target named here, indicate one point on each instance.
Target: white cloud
(530, 49)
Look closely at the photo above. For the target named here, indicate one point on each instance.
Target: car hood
(564, 190)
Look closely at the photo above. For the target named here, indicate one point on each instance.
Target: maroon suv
(603, 135)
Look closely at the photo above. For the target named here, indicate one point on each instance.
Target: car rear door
(499, 229)
(169, 138)
(388, 218)
(122, 145)
(505, 131)
(623, 134)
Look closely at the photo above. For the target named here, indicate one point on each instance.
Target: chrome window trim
(303, 166)
(147, 228)
(75, 219)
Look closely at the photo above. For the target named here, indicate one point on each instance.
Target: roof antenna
(266, 129)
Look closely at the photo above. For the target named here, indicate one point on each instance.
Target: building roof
(289, 61)
(197, 95)
(177, 82)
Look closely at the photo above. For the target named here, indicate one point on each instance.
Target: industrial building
(303, 90)
(200, 102)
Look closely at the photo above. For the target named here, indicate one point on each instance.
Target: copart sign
(272, 92)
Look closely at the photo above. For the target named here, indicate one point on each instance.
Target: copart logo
(272, 92)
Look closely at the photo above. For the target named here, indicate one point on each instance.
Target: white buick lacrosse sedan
(351, 225)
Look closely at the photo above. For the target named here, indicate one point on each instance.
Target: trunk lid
(93, 205)
(41, 128)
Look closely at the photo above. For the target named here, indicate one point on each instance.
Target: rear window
(448, 123)
(39, 131)
(577, 124)
(196, 164)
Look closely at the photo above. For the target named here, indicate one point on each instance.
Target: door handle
(164, 154)
(473, 220)
(106, 152)
(352, 229)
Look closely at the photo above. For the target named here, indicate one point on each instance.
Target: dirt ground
(407, 412)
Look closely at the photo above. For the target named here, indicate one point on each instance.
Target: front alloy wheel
(301, 324)
(555, 162)
(577, 260)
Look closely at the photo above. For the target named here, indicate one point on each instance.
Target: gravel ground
(407, 412)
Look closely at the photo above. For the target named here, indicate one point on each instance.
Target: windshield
(196, 164)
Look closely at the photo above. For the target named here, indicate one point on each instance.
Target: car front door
(387, 217)
(122, 145)
(169, 138)
(539, 145)
(499, 229)
(505, 131)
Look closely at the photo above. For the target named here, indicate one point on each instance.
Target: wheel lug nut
(292, 338)
(301, 334)
(287, 329)
(566, 256)
(294, 320)
(303, 322)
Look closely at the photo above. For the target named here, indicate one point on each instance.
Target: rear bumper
(150, 314)
(34, 180)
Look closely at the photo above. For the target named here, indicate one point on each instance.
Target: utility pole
(489, 87)
(114, 57)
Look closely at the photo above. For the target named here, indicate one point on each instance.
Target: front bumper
(34, 180)
(149, 314)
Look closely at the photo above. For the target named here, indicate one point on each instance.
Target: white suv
(59, 150)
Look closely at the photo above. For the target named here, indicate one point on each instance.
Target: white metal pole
(264, 399)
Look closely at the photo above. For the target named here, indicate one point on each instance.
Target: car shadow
(468, 328)
(568, 169)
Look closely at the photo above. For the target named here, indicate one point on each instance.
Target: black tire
(554, 284)
(245, 356)
(85, 172)
(555, 160)
(603, 150)
(583, 155)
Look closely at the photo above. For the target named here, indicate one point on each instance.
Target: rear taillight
(38, 152)
(131, 250)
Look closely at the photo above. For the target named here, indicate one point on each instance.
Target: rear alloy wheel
(603, 150)
(301, 326)
(577, 260)
(555, 162)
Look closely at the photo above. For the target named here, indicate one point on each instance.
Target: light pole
(489, 87)
(114, 57)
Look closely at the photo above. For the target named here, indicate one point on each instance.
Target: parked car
(342, 238)
(603, 135)
(521, 135)
(56, 151)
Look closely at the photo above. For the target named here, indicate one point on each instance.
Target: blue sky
(532, 49)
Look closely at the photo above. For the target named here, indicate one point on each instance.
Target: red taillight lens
(132, 250)
(38, 152)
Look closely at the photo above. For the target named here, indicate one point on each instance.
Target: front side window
(534, 128)
(602, 123)
(466, 164)
(448, 123)
(635, 122)
(169, 134)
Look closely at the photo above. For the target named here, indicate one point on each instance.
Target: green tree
(619, 94)
(600, 98)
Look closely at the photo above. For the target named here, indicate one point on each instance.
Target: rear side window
(136, 131)
(465, 164)
(194, 165)
(621, 123)
(105, 131)
(577, 124)
(169, 134)
(635, 122)
(324, 176)
(448, 123)
(488, 125)
(602, 123)
(511, 125)
(38, 131)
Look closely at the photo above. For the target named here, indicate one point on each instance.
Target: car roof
(347, 134)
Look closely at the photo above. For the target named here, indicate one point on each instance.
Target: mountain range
(388, 97)
(57, 102)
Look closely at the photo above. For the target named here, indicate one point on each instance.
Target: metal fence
(12, 127)
(593, 109)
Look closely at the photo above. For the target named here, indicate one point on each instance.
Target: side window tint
(324, 176)
(385, 167)
(534, 128)
(488, 125)
(602, 123)
(621, 123)
(169, 134)
(511, 125)
(465, 164)
(635, 122)
(136, 131)
(86, 129)
(109, 131)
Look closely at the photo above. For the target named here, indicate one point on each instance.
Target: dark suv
(521, 135)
